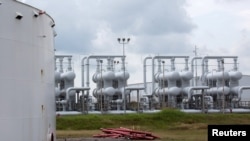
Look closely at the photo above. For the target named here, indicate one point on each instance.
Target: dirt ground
(91, 139)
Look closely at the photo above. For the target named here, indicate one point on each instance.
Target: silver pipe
(195, 88)
(240, 90)
(69, 65)
(112, 64)
(206, 66)
(144, 73)
(58, 56)
(219, 64)
(97, 56)
(235, 64)
(61, 61)
(55, 64)
(192, 67)
(109, 64)
(161, 57)
(61, 64)
(186, 64)
(83, 59)
(211, 57)
(75, 88)
(172, 64)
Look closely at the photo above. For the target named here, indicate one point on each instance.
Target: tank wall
(27, 74)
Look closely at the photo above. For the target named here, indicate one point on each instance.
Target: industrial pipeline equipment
(171, 86)
(110, 84)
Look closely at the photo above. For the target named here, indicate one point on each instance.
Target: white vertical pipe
(61, 64)
(211, 57)
(83, 59)
(97, 56)
(144, 73)
(192, 67)
(153, 65)
(235, 64)
(69, 64)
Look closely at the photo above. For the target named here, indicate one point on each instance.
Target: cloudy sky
(156, 27)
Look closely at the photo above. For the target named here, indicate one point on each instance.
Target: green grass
(166, 119)
(169, 124)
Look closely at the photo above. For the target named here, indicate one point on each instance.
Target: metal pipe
(58, 56)
(97, 56)
(192, 67)
(195, 88)
(240, 90)
(144, 73)
(61, 61)
(219, 64)
(55, 63)
(137, 89)
(83, 59)
(69, 65)
(172, 64)
(235, 64)
(186, 64)
(61, 64)
(76, 88)
(211, 57)
(161, 57)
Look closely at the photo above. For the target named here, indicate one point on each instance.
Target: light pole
(123, 41)
(101, 88)
(163, 86)
(223, 81)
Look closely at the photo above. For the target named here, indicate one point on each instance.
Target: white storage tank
(27, 79)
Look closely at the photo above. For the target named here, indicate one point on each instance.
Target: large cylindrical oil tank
(27, 75)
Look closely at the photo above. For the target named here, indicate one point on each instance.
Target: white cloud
(173, 27)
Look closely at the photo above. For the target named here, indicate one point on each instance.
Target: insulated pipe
(144, 73)
(235, 64)
(192, 67)
(161, 57)
(97, 56)
(109, 68)
(218, 64)
(112, 64)
(211, 57)
(206, 66)
(195, 88)
(75, 88)
(172, 64)
(61, 61)
(69, 65)
(83, 59)
(58, 56)
(55, 64)
(61, 64)
(240, 90)
(186, 64)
